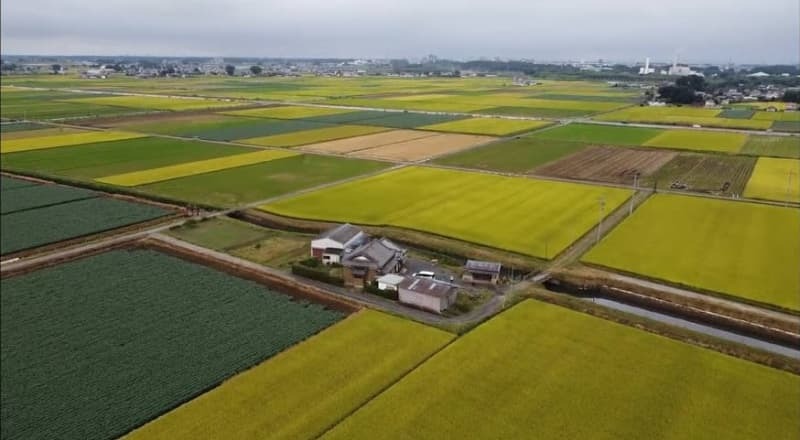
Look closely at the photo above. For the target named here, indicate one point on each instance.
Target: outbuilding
(390, 281)
(427, 294)
(482, 272)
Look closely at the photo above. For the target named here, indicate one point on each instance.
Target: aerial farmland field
(50, 105)
(423, 148)
(607, 164)
(698, 140)
(90, 161)
(43, 214)
(282, 399)
(153, 175)
(39, 131)
(600, 134)
(287, 112)
(251, 183)
(304, 137)
(63, 140)
(156, 102)
(528, 216)
(682, 116)
(775, 179)
(516, 155)
(357, 143)
(569, 375)
(734, 248)
(219, 127)
(94, 360)
(488, 126)
(776, 146)
(724, 175)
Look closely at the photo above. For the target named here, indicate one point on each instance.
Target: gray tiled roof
(426, 286)
(342, 233)
(483, 266)
(375, 253)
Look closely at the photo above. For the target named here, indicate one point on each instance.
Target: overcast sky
(766, 31)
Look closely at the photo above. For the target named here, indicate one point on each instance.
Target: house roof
(426, 286)
(341, 234)
(391, 279)
(375, 253)
(483, 266)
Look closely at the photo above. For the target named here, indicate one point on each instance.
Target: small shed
(482, 272)
(390, 281)
(427, 294)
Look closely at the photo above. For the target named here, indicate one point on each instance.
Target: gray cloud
(623, 30)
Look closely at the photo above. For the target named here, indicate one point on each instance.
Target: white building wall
(422, 301)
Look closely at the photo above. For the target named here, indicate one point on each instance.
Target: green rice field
(247, 184)
(90, 161)
(682, 116)
(735, 248)
(274, 400)
(94, 360)
(776, 146)
(600, 134)
(541, 371)
(529, 216)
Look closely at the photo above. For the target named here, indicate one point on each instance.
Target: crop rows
(96, 347)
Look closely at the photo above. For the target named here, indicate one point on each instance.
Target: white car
(424, 274)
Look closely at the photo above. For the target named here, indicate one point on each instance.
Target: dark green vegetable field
(96, 347)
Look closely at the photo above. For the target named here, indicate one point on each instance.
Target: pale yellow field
(39, 133)
(192, 168)
(369, 141)
(38, 143)
(156, 102)
(699, 140)
(307, 389)
(313, 136)
(775, 179)
(424, 148)
(288, 112)
(488, 126)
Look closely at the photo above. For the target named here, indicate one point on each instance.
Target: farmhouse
(372, 259)
(481, 272)
(331, 244)
(427, 294)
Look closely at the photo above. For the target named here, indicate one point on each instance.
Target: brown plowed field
(369, 141)
(607, 164)
(423, 148)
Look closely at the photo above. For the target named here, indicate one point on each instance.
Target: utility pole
(635, 188)
(602, 202)
(788, 188)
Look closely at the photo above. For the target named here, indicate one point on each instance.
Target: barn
(427, 294)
